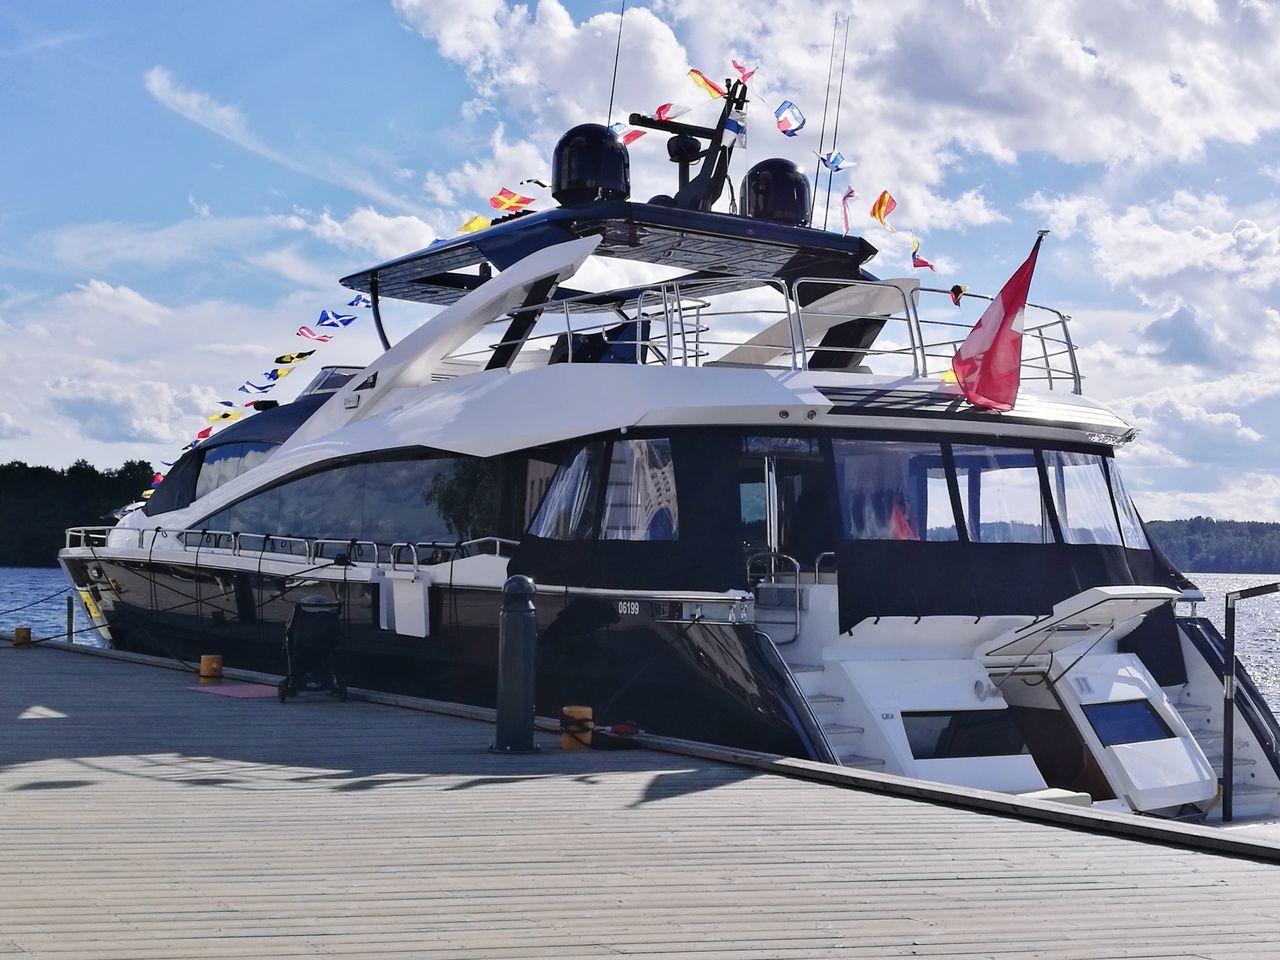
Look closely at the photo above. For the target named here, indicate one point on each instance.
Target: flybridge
(707, 245)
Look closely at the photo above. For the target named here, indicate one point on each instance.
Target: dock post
(517, 667)
(1229, 691)
(71, 619)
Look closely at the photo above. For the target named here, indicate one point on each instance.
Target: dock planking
(141, 818)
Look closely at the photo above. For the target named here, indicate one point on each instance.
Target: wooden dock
(144, 817)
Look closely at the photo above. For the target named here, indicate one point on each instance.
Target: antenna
(613, 84)
(822, 137)
(835, 133)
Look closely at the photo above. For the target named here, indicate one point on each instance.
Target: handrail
(772, 556)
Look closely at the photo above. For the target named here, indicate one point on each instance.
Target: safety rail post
(1229, 691)
(517, 667)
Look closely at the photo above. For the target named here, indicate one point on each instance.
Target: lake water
(1257, 621)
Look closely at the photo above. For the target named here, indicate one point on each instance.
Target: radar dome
(777, 190)
(590, 164)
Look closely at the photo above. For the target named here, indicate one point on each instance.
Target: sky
(184, 184)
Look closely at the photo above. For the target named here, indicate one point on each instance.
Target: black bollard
(517, 667)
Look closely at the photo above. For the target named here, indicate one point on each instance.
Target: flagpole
(622, 12)
(835, 133)
(822, 137)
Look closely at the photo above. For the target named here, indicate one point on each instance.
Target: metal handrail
(772, 556)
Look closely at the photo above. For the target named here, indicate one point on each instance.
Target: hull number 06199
(631, 607)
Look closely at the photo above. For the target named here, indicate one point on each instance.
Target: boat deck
(144, 817)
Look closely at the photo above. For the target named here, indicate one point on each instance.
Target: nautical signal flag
(626, 134)
(331, 318)
(988, 364)
(145, 494)
(157, 479)
(883, 206)
(278, 373)
(833, 160)
(712, 90)
(790, 119)
(226, 403)
(250, 387)
(506, 200)
(475, 223)
(957, 292)
(226, 415)
(308, 334)
(293, 357)
(735, 129)
(669, 111)
(360, 301)
(918, 261)
(743, 72)
(850, 194)
(204, 434)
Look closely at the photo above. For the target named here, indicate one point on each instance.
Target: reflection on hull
(712, 682)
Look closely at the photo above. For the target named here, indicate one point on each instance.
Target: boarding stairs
(1255, 793)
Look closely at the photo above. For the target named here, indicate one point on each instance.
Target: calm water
(1257, 621)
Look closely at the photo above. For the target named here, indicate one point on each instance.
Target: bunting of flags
(833, 160)
(278, 373)
(285, 358)
(627, 134)
(308, 334)
(226, 415)
(331, 318)
(735, 129)
(918, 261)
(709, 87)
(883, 206)
(668, 111)
(790, 119)
(850, 194)
(743, 72)
(360, 301)
(508, 200)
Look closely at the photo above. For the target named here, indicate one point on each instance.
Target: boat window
(938, 735)
(567, 511)
(1126, 721)
(1130, 525)
(893, 491)
(1000, 491)
(227, 462)
(640, 494)
(1080, 495)
(429, 500)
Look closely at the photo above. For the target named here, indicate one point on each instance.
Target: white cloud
(369, 231)
(230, 123)
(11, 429)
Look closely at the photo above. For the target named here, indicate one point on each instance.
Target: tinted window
(1000, 493)
(1127, 721)
(893, 491)
(567, 511)
(391, 501)
(229, 461)
(963, 733)
(640, 493)
(1078, 484)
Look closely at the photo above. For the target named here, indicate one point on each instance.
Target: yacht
(755, 511)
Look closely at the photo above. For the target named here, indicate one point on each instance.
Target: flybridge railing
(302, 550)
(1048, 352)
(760, 323)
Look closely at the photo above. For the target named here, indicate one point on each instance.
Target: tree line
(1204, 545)
(37, 504)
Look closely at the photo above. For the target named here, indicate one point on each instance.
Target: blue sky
(185, 183)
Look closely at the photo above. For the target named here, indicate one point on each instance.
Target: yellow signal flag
(145, 494)
(475, 223)
(226, 415)
(949, 376)
(293, 357)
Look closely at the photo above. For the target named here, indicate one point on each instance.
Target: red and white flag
(988, 364)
